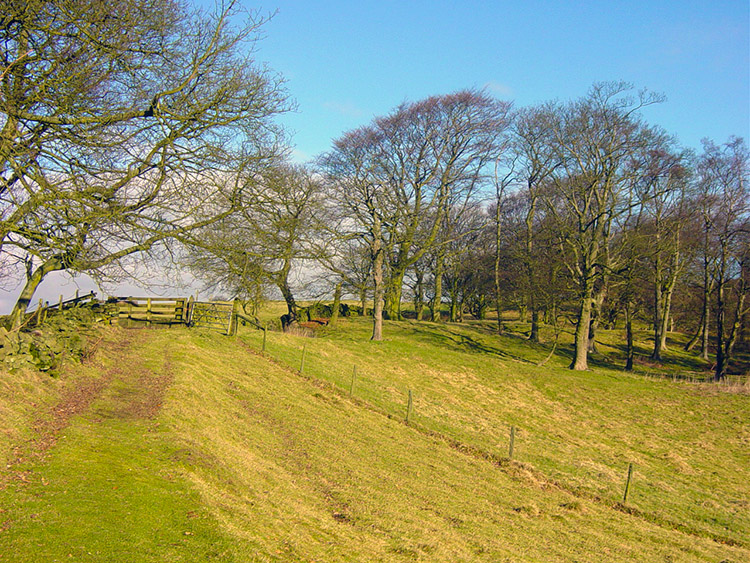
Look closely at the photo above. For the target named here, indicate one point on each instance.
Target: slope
(195, 447)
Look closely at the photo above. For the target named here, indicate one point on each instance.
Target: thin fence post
(265, 332)
(148, 311)
(232, 329)
(189, 312)
(512, 444)
(61, 303)
(354, 375)
(39, 313)
(627, 483)
(302, 363)
(409, 408)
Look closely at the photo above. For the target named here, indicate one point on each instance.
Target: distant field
(186, 445)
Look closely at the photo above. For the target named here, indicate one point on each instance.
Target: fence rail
(218, 315)
(153, 310)
(43, 309)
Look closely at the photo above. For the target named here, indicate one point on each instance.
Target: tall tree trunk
(580, 357)
(706, 319)
(657, 321)
(27, 293)
(531, 278)
(707, 288)
(393, 292)
(378, 297)
(336, 304)
(596, 307)
(720, 371)
(630, 350)
(437, 300)
(454, 307)
(523, 312)
(282, 283)
(534, 334)
(736, 326)
(419, 294)
(696, 335)
(724, 352)
(663, 310)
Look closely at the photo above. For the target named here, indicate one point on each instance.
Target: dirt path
(139, 395)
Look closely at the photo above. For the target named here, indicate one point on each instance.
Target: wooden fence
(153, 310)
(219, 315)
(39, 315)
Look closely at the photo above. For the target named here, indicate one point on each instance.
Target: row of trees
(568, 211)
(147, 131)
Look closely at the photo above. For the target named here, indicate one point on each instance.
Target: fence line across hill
(40, 314)
(614, 492)
(218, 315)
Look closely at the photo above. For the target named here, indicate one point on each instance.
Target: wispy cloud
(347, 109)
(499, 88)
(300, 157)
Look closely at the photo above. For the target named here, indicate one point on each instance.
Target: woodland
(144, 133)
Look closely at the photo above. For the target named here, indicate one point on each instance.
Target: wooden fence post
(265, 331)
(232, 330)
(409, 408)
(39, 313)
(302, 364)
(236, 313)
(189, 312)
(512, 442)
(61, 303)
(148, 311)
(627, 483)
(354, 375)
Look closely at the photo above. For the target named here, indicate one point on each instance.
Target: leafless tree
(124, 125)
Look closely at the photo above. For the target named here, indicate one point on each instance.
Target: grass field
(186, 445)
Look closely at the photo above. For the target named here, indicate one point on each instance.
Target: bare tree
(536, 162)
(593, 139)
(397, 176)
(124, 126)
(260, 243)
(360, 200)
(723, 176)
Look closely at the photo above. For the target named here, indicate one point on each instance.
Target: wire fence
(615, 478)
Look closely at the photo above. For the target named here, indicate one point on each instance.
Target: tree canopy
(124, 126)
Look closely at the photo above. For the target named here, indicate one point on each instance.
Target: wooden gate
(152, 310)
(220, 315)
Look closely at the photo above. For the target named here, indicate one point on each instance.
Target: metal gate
(218, 315)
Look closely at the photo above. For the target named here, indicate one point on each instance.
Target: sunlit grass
(246, 459)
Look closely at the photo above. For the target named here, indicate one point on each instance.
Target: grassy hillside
(182, 445)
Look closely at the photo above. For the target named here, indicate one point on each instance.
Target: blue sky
(346, 62)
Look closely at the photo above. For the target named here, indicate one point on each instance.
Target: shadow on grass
(455, 338)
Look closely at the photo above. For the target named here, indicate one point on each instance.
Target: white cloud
(499, 88)
(347, 109)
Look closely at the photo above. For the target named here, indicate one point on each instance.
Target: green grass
(199, 448)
